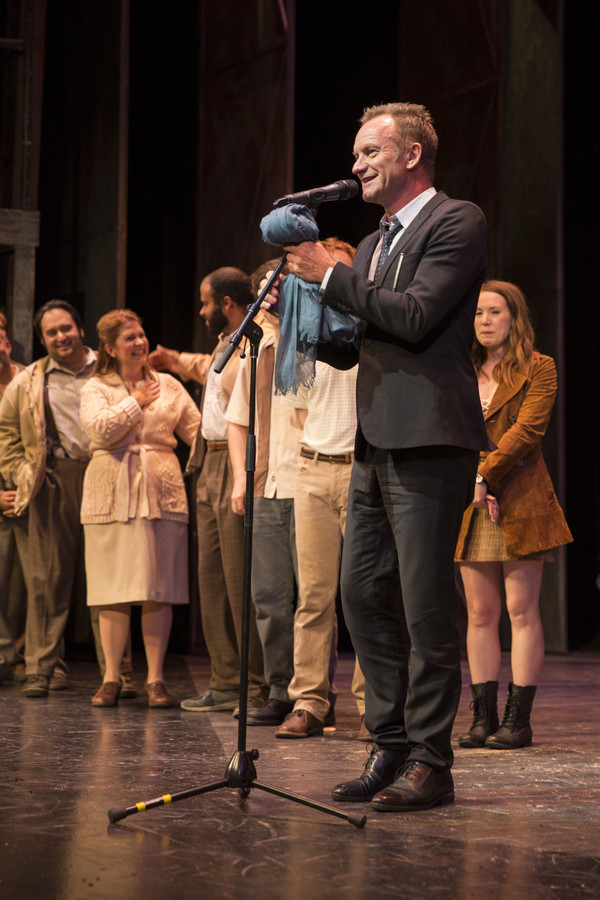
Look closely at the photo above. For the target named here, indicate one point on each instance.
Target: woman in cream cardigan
(514, 520)
(134, 507)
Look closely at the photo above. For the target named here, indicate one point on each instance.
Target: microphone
(339, 190)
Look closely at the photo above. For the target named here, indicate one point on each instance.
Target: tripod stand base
(241, 774)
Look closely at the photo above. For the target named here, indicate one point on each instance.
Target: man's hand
(162, 358)
(238, 495)
(7, 503)
(271, 299)
(309, 261)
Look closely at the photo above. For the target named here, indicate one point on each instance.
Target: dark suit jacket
(416, 383)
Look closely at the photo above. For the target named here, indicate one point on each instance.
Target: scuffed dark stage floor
(525, 823)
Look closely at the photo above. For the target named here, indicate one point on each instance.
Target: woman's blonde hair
(109, 328)
(518, 357)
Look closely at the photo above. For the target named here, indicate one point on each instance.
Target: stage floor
(525, 823)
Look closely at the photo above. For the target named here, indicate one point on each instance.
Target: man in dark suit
(420, 428)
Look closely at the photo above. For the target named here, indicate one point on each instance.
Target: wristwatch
(479, 479)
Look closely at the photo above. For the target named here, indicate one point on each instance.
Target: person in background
(43, 456)
(13, 551)
(327, 412)
(134, 507)
(514, 521)
(274, 562)
(224, 295)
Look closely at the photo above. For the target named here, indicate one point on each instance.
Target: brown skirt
(485, 542)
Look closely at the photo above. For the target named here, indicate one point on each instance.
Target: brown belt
(216, 445)
(340, 458)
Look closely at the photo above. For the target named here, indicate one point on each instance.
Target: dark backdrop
(344, 61)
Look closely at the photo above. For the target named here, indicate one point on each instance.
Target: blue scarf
(303, 321)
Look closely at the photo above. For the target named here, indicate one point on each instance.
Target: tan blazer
(23, 433)
(530, 515)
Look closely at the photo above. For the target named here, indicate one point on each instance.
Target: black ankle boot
(485, 714)
(515, 730)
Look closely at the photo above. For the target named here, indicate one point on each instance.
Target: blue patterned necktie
(389, 233)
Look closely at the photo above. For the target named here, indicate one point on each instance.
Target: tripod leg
(118, 813)
(358, 821)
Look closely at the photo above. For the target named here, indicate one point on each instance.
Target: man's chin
(66, 356)
(369, 196)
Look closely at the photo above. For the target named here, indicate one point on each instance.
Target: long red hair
(518, 358)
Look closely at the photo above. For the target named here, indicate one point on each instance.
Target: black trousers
(405, 508)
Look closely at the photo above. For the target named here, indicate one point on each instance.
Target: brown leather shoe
(418, 786)
(363, 732)
(300, 724)
(107, 694)
(158, 697)
(36, 686)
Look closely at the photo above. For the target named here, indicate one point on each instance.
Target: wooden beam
(19, 228)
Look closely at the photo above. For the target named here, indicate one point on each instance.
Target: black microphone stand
(241, 771)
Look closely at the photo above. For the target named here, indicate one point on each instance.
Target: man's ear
(413, 155)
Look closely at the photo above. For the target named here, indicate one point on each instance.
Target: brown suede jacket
(530, 515)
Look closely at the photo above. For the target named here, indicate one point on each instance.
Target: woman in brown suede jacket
(514, 520)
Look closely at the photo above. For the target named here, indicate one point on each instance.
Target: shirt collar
(406, 214)
(90, 359)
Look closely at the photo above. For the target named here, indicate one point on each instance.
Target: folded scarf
(303, 321)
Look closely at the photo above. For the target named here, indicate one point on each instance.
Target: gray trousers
(274, 577)
(55, 544)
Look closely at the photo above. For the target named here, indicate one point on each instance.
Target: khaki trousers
(320, 502)
(220, 579)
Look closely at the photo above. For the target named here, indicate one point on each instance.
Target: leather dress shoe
(417, 786)
(158, 698)
(272, 713)
(107, 694)
(59, 681)
(381, 769)
(300, 724)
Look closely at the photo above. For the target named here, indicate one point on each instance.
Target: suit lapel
(409, 233)
(362, 261)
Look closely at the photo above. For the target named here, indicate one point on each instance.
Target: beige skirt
(135, 561)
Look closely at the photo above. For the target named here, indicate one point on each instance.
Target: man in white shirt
(274, 563)
(327, 412)
(225, 294)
